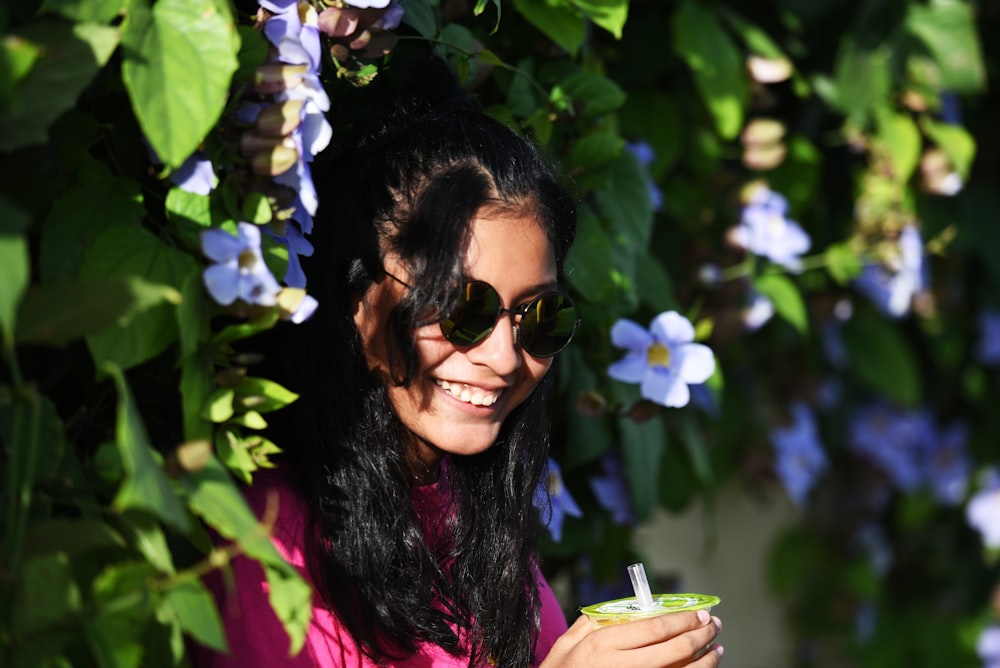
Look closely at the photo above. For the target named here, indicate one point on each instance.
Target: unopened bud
(279, 120)
(764, 157)
(591, 404)
(643, 411)
(337, 22)
(339, 53)
(361, 41)
(252, 143)
(762, 131)
(230, 377)
(278, 77)
(769, 70)
(274, 162)
(192, 456)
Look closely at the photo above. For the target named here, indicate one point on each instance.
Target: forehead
(510, 247)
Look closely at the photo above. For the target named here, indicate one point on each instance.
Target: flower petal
(697, 362)
(222, 282)
(629, 369)
(220, 246)
(665, 388)
(628, 334)
(672, 327)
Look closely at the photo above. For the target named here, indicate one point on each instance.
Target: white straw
(637, 573)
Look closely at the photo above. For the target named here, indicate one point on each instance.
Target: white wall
(735, 570)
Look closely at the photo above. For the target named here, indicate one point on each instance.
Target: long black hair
(414, 161)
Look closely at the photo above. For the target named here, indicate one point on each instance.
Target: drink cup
(628, 609)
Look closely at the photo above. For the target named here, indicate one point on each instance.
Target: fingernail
(718, 623)
(703, 616)
(720, 650)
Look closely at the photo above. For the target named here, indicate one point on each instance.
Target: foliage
(127, 416)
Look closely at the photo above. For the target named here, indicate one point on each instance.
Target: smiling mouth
(468, 394)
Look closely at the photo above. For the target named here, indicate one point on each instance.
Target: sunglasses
(546, 325)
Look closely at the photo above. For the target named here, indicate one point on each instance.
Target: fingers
(679, 639)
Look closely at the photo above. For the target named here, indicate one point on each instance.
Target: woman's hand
(666, 641)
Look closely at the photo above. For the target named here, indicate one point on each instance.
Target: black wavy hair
(413, 162)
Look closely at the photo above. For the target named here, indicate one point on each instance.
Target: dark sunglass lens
(548, 324)
(474, 314)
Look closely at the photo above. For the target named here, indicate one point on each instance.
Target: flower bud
(276, 161)
(191, 456)
(337, 22)
(252, 143)
(339, 53)
(769, 70)
(591, 404)
(278, 77)
(280, 119)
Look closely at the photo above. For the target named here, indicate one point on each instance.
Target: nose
(499, 350)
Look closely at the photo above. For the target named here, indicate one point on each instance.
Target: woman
(413, 455)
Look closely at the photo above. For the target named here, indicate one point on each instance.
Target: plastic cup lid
(661, 603)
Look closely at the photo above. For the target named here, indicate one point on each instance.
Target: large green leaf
(214, 496)
(882, 358)
(194, 608)
(626, 201)
(70, 57)
(862, 79)
(419, 15)
(899, 139)
(589, 266)
(643, 446)
(957, 143)
(126, 603)
(196, 363)
(179, 61)
(14, 277)
(593, 95)
(653, 283)
(46, 593)
(653, 115)
(596, 149)
(609, 14)
(947, 28)
(129, 251)
(145, 485)
(787, 299)
(557, 19)
(97, 11)
(716, 64)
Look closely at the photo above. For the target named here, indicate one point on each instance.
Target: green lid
(661, 603)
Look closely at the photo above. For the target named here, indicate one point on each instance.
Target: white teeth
(469, 395)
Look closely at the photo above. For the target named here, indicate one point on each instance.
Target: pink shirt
(256, 637)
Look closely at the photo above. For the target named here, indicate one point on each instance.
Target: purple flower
(988, 351)
(392, 18)
(663, 359)
(948, 465)
(367, 4)
(758, 312)
(988, 646)
(983, 510)
(800, 455)
(239, 271)
(196, 175)
(894, 440)
(766, 230)
(645, 155)
(892, 285)
(611, 491)
(554, 501)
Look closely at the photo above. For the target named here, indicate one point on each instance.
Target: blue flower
(196, 175)
(645, 155)
(239, 271)
(948, 466)
(988, 646)
(554, 501)
(892, 285)
(894, 440)
(663, 359)
(800, 455)
(983, 510)
(988, 351)
(758, 312)
(611, 491)
(766, 230)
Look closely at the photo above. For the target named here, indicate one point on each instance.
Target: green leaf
(273, 395)
(899, 139)
(219, 405)
(129, 251)
(481, 7)
(787, 299)
(14, 276)
(643, 446)
(125, 605)
(96, 11)
(71, 57)
(146, 535)
(593, 95)
(419, 15)
(755, 38)
(194, 608)
(215, 497)
(609, 14)
(558, 20)
(72, 537)
(145, 485)
(46, 593)
(234, 452)
(596, 149)
(625, 201)
(882, 359)
(842, 262)
(62, 312)
(257, 209)
(80, 214)
(179, 61)
(862, 78)
(17, 57)
(188, 207)
(260, 323)
(948, 29)
(654, 116)
(589, 266)
(957, 143)
(653, 284)
(716, 64)
(196, 363)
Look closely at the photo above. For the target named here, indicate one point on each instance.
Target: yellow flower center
(658, 355)
(247, 260)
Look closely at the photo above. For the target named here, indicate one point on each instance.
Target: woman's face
(460, 396)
